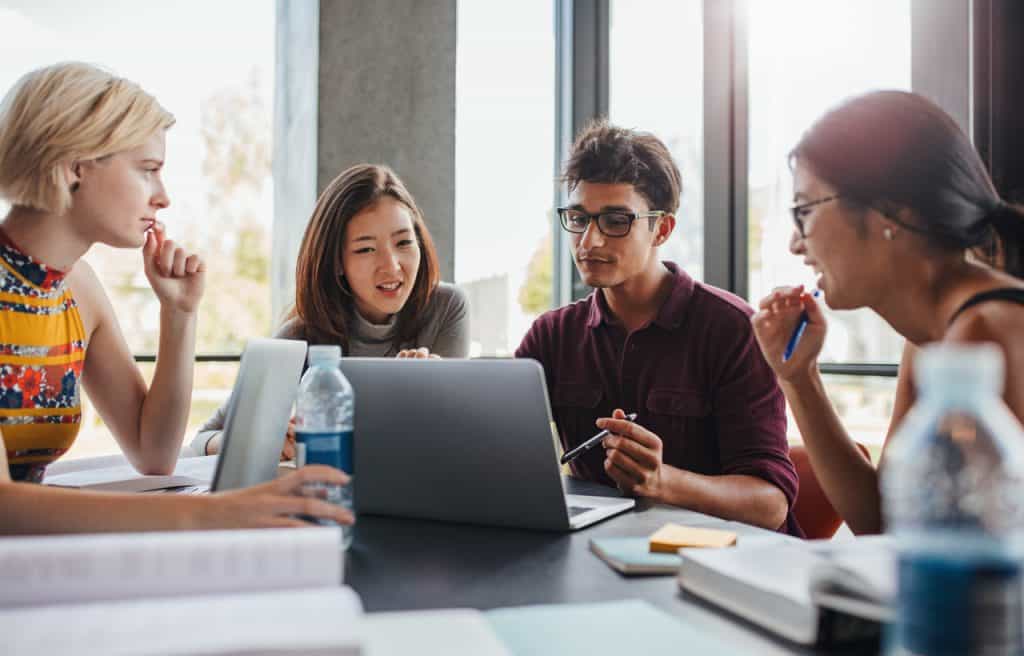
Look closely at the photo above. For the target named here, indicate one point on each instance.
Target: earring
(74, 187)
(888, 233)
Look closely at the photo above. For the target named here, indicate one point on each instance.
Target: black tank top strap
(1008, 294)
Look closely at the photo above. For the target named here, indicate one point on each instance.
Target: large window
(656, 75)
(799, 66)
(504, 172)
(212, 66)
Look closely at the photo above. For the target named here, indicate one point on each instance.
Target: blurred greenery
(536, 291)
(231, 232)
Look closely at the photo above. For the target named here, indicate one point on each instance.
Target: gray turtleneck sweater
(445, 332)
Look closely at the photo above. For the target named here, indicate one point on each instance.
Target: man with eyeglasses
(710, 432)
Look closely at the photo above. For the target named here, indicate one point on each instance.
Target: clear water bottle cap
(960, 369)
(324, 354)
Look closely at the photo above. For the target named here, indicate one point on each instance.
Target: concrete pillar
(359, 82)
(387, 96)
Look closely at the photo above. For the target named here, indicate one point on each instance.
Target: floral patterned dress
(42, 351)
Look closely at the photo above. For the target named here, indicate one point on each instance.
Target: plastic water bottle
(953, 485)
(324, 421)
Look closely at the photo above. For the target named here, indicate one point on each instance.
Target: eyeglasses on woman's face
(803, 210)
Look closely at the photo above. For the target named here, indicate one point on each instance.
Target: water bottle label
(959, 605)
(333, 449)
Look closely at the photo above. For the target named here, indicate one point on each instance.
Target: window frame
(941, 67)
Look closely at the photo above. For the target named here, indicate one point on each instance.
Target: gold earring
(888, 233)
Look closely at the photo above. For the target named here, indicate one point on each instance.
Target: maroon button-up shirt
(695, 377)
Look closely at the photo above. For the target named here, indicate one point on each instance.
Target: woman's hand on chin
(421, 353)
(177, 278)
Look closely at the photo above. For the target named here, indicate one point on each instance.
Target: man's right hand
(275, 504)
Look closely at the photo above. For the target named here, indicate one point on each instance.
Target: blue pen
(798, 332)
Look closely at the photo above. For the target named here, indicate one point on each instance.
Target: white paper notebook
(124, 477)
(317, 622)
(452, 632)
(270, 591)
(80, 568)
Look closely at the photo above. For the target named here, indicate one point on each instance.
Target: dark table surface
(408, 564)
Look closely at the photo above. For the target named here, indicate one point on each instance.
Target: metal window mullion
(582, 37)
(882, 370)
(563, 268)
(940, 57)
(725, 146)
(199, 357)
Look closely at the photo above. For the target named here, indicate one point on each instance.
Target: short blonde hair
(66, 113)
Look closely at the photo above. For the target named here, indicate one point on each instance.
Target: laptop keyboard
(577, 510)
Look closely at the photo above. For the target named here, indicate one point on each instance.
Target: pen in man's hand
(569, 456)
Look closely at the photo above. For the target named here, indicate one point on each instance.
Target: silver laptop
(258, 412)
(462, 441)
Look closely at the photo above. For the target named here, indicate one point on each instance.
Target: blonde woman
(81, 153)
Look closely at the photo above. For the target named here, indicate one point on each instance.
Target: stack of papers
(272, 591)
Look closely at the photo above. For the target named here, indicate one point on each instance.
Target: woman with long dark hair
(367, 279)
(894, 209)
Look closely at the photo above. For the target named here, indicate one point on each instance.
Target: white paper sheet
(317, 622)
(79, 568)
(124, 478)
(452, 632)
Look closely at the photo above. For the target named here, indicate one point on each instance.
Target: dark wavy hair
(322, 304)
(604, 153)
(894, 150)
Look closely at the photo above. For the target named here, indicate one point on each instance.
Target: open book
(116, 475)
(813, 593)
(197, 592)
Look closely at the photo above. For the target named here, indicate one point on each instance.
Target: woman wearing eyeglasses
(894, 211)
(368, 280)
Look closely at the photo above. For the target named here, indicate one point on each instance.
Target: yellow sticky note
(671, 537)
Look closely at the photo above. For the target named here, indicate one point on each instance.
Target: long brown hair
(322, 304)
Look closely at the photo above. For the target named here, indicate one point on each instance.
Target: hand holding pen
(590, 443)
(790, 328)
(633, 457)
(798, 332)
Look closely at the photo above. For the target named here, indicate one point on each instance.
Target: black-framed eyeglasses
(801, 211)
(611, 224)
